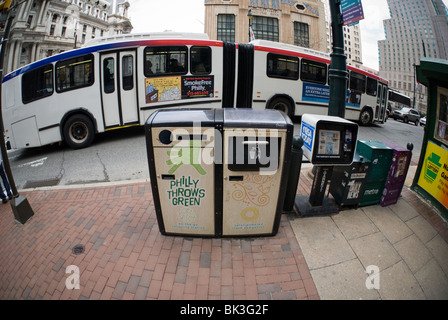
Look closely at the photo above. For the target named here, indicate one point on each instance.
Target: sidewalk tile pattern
(126, 257)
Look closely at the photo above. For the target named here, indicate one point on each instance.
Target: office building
(416, 29)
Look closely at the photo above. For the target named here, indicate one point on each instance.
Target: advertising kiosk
(431, 177)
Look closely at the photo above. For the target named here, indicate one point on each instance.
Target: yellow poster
(434, 175)
(163, 89)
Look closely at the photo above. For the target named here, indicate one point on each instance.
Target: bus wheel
(366, 117)
(281, 104)
(79, 131)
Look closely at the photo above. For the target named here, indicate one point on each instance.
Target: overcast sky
(188, 16)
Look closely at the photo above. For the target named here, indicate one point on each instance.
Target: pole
(338, 75)
(414, 67)
(19, 204)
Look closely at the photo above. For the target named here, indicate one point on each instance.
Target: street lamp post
(19, 204)
(338, 75)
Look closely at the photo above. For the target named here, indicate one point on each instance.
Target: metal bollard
(294, 173)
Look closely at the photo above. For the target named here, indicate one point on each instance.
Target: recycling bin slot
(168, 177)
(236, 178)
(191, 137)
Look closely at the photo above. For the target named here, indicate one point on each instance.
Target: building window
(301, 35)
(226, 27)
(265, 28)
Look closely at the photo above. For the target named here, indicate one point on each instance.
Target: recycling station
(233, 172)
(219, 172)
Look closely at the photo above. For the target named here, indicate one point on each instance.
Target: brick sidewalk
(126, 257)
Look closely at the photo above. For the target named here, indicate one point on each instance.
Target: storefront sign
(434, 173)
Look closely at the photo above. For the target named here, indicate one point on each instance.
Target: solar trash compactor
(218, 172)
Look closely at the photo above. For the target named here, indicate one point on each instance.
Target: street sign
(351, 11)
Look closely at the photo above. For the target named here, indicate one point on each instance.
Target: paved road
(121, 155)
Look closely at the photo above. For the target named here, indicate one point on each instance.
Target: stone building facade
(289, 21)
(42, 28)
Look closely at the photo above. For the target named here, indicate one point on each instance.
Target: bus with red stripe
(118, 82)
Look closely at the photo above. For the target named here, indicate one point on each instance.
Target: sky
(188, 16)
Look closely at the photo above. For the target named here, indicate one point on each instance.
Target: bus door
(119, 89)
(383, 103)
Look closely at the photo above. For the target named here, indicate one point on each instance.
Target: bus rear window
(280, 66)
(74, 73)
(165, 61)
(37, 84)
(313, 71)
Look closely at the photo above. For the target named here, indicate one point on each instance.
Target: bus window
(165, 61)
(109, 75)
(201, 60)
(371, 86)
(285, 67)
(313, 71)
(37, 84)
(74, 73)
(357, 82)
(127, 63)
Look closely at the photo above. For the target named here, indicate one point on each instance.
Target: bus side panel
(8, 102)
(147, 107)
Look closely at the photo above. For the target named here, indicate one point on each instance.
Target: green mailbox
(431, 177)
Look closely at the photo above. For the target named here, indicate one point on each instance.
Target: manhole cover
(78, 249)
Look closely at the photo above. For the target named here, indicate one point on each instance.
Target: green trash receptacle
(380, 157)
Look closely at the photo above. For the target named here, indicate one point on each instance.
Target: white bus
(296, 80)
(398, 100)
(119, 81)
